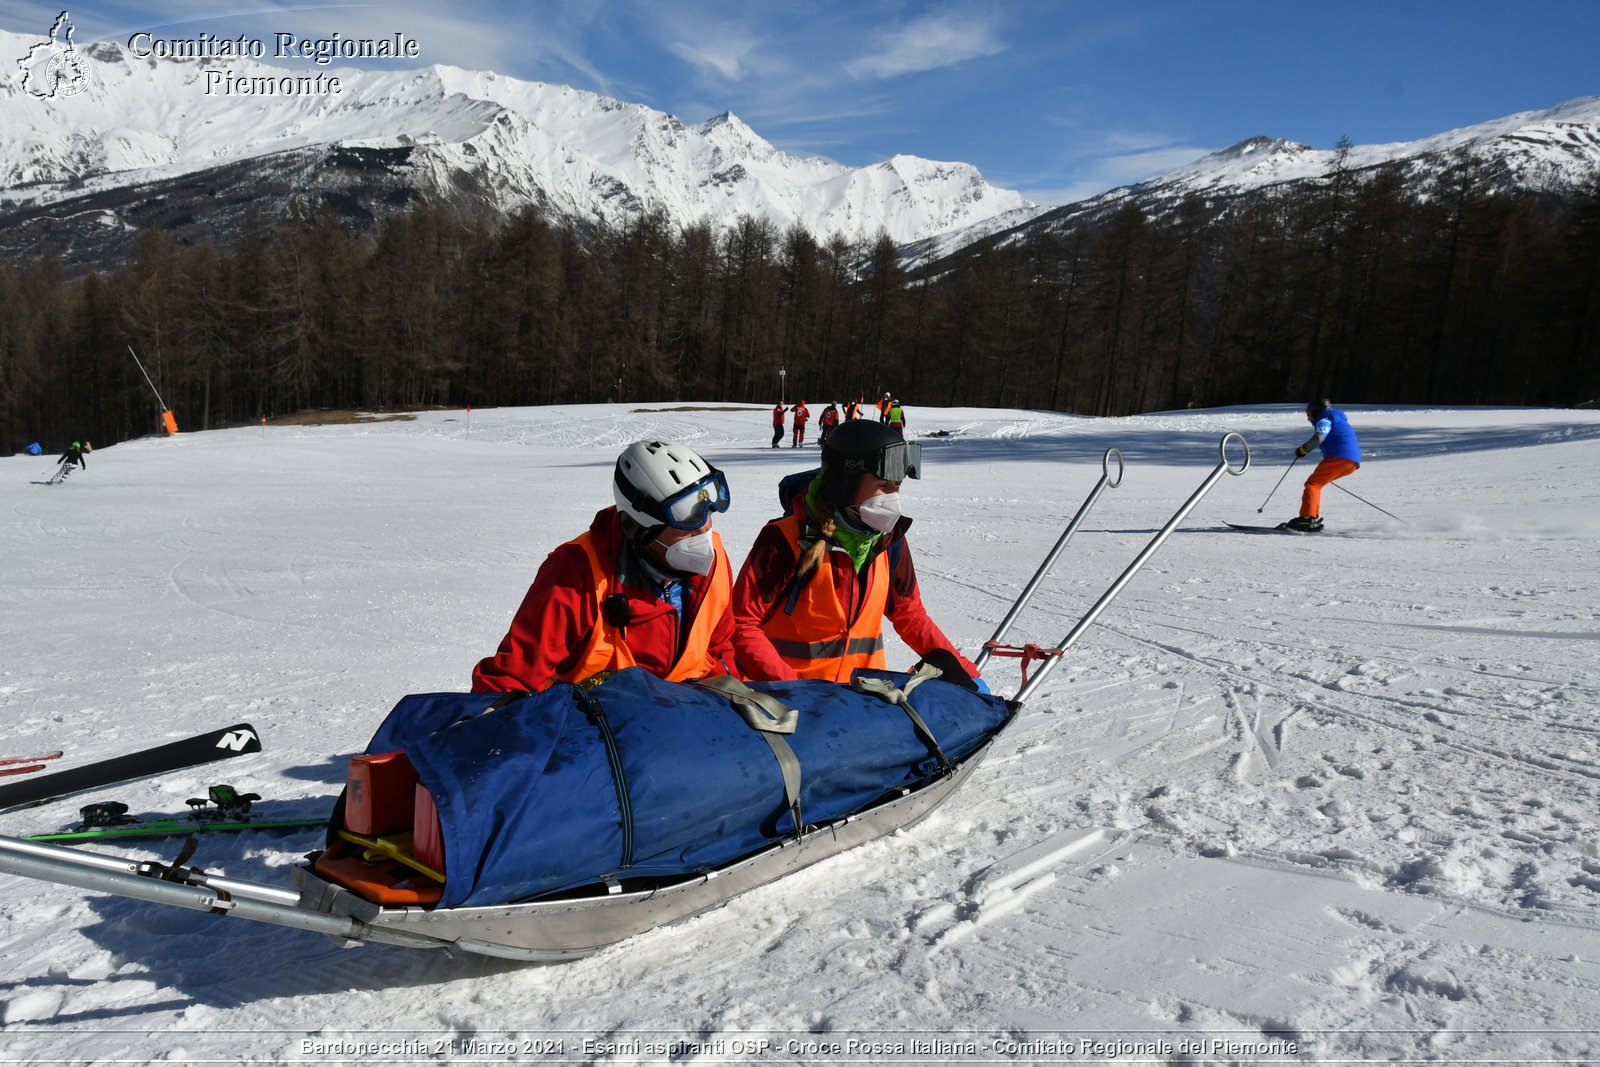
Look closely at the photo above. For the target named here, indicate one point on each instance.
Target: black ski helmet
(851, 451)
(1316, 408)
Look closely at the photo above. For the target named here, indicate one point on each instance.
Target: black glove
(1300, 453)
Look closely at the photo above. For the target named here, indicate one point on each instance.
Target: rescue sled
(802, 772)
(374, 887)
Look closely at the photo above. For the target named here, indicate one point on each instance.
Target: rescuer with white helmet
(648, 584)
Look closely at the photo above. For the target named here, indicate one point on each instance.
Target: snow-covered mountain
(149, 126)
(1550, 151)
(140, 143)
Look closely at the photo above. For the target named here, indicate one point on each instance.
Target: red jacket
(763, 585)
(549, 630)
(802, 414)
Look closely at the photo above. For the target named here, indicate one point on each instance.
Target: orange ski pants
(1329, 470)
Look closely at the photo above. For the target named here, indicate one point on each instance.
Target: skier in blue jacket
(1341, 456)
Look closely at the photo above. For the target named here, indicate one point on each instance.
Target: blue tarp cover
(528, 793)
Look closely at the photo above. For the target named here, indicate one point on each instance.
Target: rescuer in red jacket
(802, 415)
(826, 422)
(648, 584)
(818, 583)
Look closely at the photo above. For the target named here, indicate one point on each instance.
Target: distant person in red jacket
(777, 424)
(802, 415)
(648, 584)
(826, 422)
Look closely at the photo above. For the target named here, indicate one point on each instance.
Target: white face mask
(695, 554)
(880, 512)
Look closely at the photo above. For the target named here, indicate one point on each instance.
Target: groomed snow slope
(1334, 795)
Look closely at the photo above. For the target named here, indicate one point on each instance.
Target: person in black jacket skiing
(73, 455)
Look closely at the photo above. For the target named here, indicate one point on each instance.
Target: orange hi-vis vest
(607, 649)
(816, 639)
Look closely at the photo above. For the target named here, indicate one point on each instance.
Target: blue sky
(1059, 100)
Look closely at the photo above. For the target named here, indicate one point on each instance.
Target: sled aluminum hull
(574, 926)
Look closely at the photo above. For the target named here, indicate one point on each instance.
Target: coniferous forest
(1361, 286)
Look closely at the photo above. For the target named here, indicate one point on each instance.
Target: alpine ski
(1280, 528)
(201, 748)
(6, 761)
(8, 771)
(223, 811)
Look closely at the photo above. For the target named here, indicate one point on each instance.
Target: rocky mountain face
(191, 148)
(101, 144)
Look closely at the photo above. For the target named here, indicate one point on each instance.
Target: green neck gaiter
(858, 543)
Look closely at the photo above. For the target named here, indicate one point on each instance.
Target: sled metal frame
(561, 927)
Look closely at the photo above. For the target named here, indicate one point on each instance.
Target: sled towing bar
(188, 887)
(993, 647)
(1052, 656)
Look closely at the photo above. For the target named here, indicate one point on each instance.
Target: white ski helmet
(663, 483)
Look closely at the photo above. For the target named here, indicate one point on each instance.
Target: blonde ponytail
(816, 554)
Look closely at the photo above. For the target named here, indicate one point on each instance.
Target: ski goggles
(893, 463)
(689, 508)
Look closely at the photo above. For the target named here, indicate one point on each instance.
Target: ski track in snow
(1341, 791)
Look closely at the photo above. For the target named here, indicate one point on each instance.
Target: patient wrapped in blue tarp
(639, 777)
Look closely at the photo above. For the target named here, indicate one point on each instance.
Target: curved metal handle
(1105, 468)
(1222, 452)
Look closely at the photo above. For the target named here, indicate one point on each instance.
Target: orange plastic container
(427, 840)
(383, 882)
(381, 797)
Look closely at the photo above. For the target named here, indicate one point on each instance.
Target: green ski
(175, 828)
(223, 810)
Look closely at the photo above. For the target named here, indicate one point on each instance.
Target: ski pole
(1106, 481)
(1367, 502)
(1274, 492)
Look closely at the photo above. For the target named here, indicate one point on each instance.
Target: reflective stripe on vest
(816, 640)
(607, 647)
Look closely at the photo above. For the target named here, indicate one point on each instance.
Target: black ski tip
(237, 740)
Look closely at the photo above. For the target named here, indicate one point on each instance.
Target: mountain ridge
(1543, 150)
(146, 121)
(140, 145)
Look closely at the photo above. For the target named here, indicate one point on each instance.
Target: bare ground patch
(691, 407)
(344, 417)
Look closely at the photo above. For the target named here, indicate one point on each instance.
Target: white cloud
(726, 57)
(928, 44)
